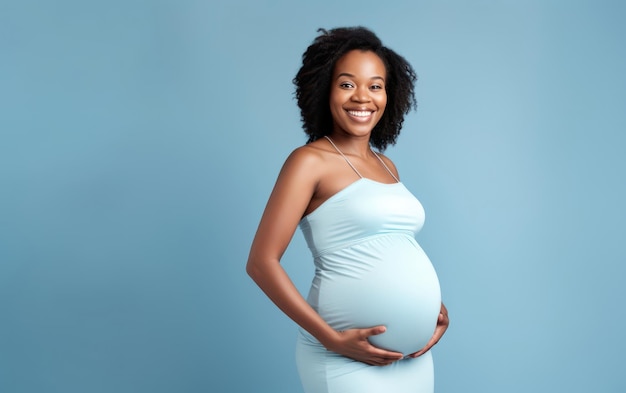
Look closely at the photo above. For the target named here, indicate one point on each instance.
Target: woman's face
(357, 94)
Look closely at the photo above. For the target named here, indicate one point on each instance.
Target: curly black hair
(313, 82)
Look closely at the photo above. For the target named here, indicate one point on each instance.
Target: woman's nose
(361, 94)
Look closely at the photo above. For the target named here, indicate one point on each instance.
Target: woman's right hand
(354, 343)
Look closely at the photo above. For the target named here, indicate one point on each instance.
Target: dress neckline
(347, 189)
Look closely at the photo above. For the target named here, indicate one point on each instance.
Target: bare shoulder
(306, 155)
(308, 159)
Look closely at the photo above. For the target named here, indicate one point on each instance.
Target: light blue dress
(370, 271)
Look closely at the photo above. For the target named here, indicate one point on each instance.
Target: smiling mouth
(360, 113)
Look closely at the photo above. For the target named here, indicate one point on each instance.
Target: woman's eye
(376, 87)
(346, 85)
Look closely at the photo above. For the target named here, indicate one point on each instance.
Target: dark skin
(311, 175)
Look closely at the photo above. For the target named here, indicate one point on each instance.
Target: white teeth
(360, 113)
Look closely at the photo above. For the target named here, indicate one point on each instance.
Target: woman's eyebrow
(352, 76)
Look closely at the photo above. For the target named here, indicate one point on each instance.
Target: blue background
(140, 141)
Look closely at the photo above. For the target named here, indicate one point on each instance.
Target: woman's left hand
(442, 326)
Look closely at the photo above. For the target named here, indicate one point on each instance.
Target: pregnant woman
(374, 308)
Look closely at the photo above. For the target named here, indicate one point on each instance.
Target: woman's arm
(294, 188)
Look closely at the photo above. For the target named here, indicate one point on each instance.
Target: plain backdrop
(139, 141)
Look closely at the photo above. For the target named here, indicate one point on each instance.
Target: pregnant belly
(387, 281)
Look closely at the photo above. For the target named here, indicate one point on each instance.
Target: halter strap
(344, 157)
(352, 166)
(385, 165)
